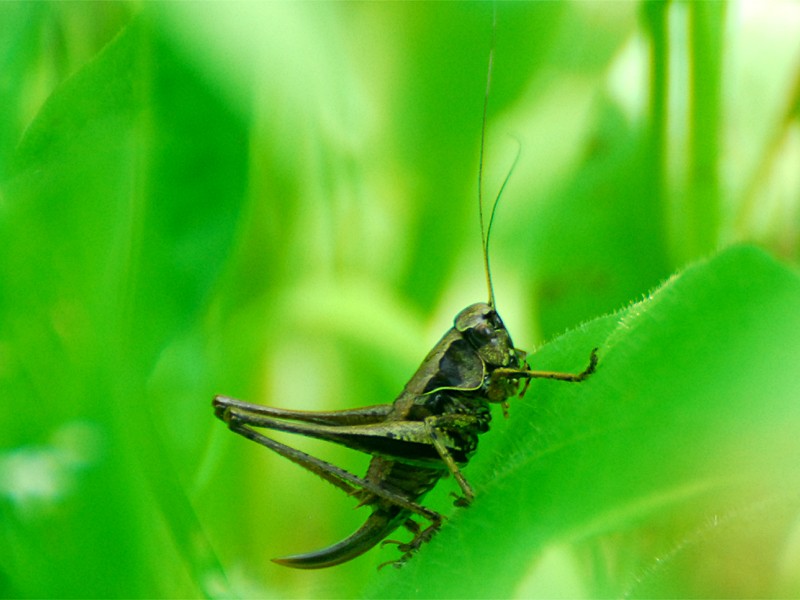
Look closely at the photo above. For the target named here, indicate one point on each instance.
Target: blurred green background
(277, 202)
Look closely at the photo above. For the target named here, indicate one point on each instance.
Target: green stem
(655, 21)
(702, 218)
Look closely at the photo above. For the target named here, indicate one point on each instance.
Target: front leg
(497, 382)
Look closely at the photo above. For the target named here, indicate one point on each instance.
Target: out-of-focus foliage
(277, 201)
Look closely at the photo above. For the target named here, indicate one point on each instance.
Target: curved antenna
(484, 229)
(487, 230)
(491, 218)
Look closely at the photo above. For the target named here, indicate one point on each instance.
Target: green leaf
(672, 471)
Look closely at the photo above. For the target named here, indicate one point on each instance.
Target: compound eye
(481, 334)
(496, 321)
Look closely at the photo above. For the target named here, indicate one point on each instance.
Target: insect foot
(461, 501)
(403, 547)
(411, 547)
(592, 365)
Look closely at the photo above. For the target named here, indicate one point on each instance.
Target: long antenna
(487, 230)
(484, 229)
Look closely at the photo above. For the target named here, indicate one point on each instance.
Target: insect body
(430, 430)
